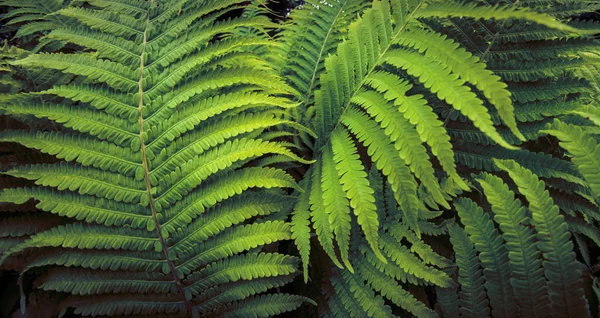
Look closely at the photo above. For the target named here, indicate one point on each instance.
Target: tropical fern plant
(164, 108)
(376, 88)
(409, 151)
(394, 94)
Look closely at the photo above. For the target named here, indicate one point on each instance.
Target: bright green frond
(337, 205)
(156, 116)
(356, 186)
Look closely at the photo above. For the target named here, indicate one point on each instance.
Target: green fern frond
(493, 256)
(561, 268)
(356, 187)
(319, 216)
(337, 204)
(387, 57)
(471, 298)
(584, 149)
(527, 278)
(154, 133)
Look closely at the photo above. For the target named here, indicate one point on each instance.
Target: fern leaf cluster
(372, 287)
(543, 69)
(379, 88)
(415, 157)
(530, 269)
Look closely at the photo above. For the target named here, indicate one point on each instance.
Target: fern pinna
(164, 108)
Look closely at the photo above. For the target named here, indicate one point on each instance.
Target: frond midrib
(320, 56)
(146, 171)
(362, 83)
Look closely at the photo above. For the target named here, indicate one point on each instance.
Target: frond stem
(316, 68)
(375, 65)
(143, 150)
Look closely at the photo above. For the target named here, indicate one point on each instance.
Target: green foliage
(421, 157)
(160, 116)
(534, 258)
(378, 87)
(416, 263)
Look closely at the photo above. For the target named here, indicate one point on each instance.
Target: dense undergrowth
(351, 159)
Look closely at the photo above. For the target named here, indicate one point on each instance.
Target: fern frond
(584, 149)
(387, 57)
(472, 297)
(356, 186)
(493, 256)
(162, 111)
(527, 278)
(337, 204)
(561, 268)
